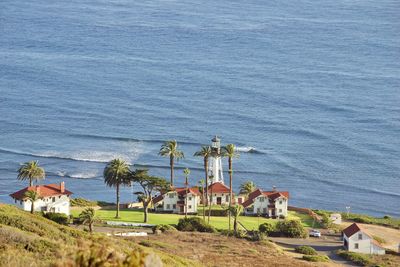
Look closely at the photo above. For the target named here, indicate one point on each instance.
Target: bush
(387, 217)
(316, 258)
(163, 228)
(256, 236)
(306, 250)
(292, 228)
(357, 258)
(194, 224)
(326, 221)
(282, 217)
(267, 228)
(59, 218)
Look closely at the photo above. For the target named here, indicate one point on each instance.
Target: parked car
(315, 233)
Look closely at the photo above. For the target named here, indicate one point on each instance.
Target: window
(190, 198)
(174, 206)
(261, 199)
(54, 199)
(359, 236)
(190, 206)
(355, 245)
(258, 210)
(280, 210)
(171, 195)
(280, 202)
(168, 206)
(264, 210)
(227, 198)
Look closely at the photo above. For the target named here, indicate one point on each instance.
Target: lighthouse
(215, 170)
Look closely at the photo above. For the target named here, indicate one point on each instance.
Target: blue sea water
(312, 86)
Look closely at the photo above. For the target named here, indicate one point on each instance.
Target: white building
(215, 172)
(219, 194)
(53, 198)
(175, 201)
(267, 203)
(356, 239)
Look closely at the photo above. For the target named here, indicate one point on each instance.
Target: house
(174, 200)
(356, 239)
(218, 194)
(53, 198)
(267, 203)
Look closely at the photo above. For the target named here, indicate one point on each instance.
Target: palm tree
(186, 172)
(170, 149)
(235, 211)
(230, 152)
(205, 152)
(202, 183)
(247, 187)
(115, 174)
(32, 196)
(30, 171)
(87, 216)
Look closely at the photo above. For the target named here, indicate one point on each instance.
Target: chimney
(62, 187)
(274, 188)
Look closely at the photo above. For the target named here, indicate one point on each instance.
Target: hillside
(31, 240)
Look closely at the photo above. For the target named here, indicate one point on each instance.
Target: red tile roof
(251, 198)
(43, 190)
(274, 195)
(351, 230)
(193, 190)
(157, 199)
(218, 187)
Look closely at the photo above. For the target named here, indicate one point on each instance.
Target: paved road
(324, 245)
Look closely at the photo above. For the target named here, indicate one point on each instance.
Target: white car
(315, 233)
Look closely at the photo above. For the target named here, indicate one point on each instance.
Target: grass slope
(31, 240)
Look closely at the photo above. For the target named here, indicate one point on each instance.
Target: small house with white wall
(219, 194)
(356, 239)
(174, 201)
(53, 198)
(267, 203)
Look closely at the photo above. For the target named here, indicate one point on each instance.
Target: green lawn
(251, 223)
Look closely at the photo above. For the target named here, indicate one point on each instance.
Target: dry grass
(217, 250)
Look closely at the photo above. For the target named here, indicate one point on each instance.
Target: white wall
(364, 243)
(61, 204)
(171, 199)
(261, 205)
(224, 198)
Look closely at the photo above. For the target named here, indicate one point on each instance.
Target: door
(219, 200)
(181, 209)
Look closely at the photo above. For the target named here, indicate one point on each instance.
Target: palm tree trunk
(32, 207)
(209, 206)
(171, 164)
(90, 227)
(30, 181)
(186, 199)
(206, 173)
(146, 210)
(230, 192)
(204, 207)
(117, 189)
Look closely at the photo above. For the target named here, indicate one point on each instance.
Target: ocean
(309, 91)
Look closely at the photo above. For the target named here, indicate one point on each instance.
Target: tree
(31, 171)
(230, 152)
(247, 187)
(170, 149)
(186, 172)
(205, 152)
(202, 183)
(115, 175)
(87, 216)
(235, 210)
(149, 184)
(32, 196)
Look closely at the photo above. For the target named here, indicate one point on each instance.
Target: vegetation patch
(358, 258)
(306, 250)
(163, 228)
(316, 258)
(82, 202)
(292, 228)
(59, 218)
(194, 224)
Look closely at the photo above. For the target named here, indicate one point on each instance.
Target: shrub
(194, 224)
(59, 218)
(357, 258)
(316, 258)
(326, 221)
(282, 217)
(163, 228)
(267, 228)
(387, 217)
(256, 236)
(292, 228)
(306, 250)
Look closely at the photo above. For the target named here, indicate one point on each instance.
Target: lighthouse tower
(215, 170)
